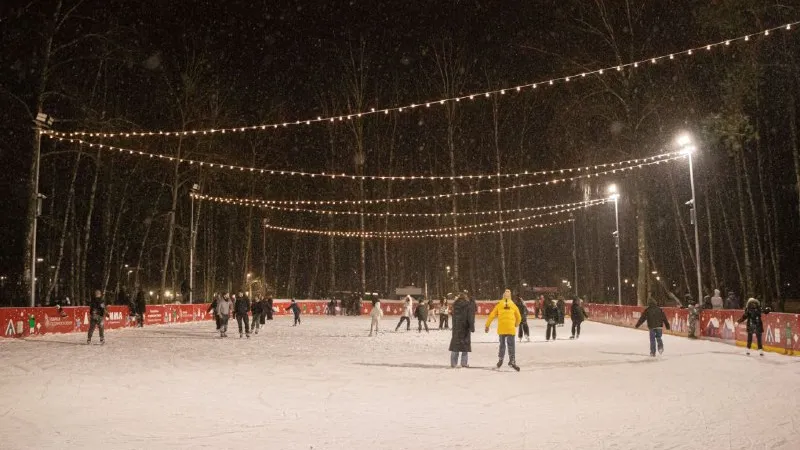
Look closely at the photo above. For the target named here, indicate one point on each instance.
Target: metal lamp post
(615, 197)
(685, 143)
(42, 122)
(575, 254)
(192, 193)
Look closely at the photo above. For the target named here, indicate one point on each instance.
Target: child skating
(755, 326)
(656, 320)
(376, 314)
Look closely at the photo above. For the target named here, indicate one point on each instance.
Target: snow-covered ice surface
(326, 385)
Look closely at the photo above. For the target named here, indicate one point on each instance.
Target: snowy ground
(326, 385)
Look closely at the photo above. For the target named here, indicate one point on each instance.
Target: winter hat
(752, 300)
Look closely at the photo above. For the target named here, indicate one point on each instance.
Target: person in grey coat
(463, 325)
(224, 307)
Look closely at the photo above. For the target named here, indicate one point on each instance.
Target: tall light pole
(192, 193)
(685, 143)
(575, 254)
(615, 197)
(265, 222)
(42, 122)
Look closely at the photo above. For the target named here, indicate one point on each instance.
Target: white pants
(374, 324)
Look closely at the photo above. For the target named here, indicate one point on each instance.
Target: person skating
(755, 326)
(256, 309)
(693, 315)
(562, 310)
(444, 322)
(551, 317)
(578, 314)
(523, 325)
(656, 320)
(212, 308)
(422, 316)
(241, 307)
(463, 327)
(405, 315)
(223, 311)
(295, 309)
(141, 307)
(376, 315)
(269, 308)
(97, 315)
(508, 319)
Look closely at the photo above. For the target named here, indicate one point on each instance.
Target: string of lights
(377, 235)
(274, 172)
(378, 201)
(257, 203)
(442, 101)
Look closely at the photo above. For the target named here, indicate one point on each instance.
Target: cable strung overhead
(344, 176)
(442, 101)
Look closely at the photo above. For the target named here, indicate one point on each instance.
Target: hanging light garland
(257, 203)
(465, 193)
(273, 172)
(441, 101)
(376, 235)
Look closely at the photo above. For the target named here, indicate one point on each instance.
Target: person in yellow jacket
(508, 319)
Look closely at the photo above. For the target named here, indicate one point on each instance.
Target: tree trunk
(641, 244)
(729, 234)
(171, 220)
(748, 265)
(64, 228)
(496, 135)
(711, 253)
(87, 230)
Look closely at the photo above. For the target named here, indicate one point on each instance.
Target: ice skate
(102, 341)
(465, 366)
(652, 355)
(747, 352)
(248, 335)
(88, 342)
(572, 337)
(660, 350)
(527, 338)
(761, 352)
(514, 366)
(500, 364)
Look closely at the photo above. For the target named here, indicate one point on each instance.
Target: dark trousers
(243, 318)
(97, 321)
(549, 328)
(576, 328)
(223, 324)
(218, 321)
(408, 323)
(524, 330)
(296, 319)
(655, 338)
(420, 323)
(507, 340)
(269, 313)
(255, 324)
(444, 321)
(749, 339)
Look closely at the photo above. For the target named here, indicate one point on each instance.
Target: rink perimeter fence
(780, 329)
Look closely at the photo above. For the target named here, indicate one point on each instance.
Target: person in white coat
(716, 300)
(408, 311)
(377, 315)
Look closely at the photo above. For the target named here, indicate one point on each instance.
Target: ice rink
(326, 385)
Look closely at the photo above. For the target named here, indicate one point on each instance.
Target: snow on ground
(326, 385)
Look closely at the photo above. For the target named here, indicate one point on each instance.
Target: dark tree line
(114, 220)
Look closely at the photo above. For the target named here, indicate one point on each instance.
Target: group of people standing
(250, 315)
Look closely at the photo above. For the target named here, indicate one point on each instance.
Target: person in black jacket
(752, 314)
(422, 316)
(97, 315)
(578, 314)
(256, 310)
(562, 310)
(656, 320)
(523, 325)
(463, 325)
(213, 308)
(141, 307)
(551, 317)
(295, 309)
(240, 309)
(269, 309)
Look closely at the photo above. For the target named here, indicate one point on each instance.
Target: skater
(422, 316)
(551, 317)
(376, 314)
(223, 311)
(508, 319)
(444, 311)
(716, 300)
(732, 301)
(656, 320)
(562, 310)
(141, 307)
(523, 325)
(295, 309)
(431, 309)
(752, 314)
(463, 326)
(269, 309)
(212, 308)
(256, 310)
(694, 316)
(97, 314)
(578, 314)
(405, 316)
(241, 307)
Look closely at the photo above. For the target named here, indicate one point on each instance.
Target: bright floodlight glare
(684, 140)
(688, 149)
(612, 189)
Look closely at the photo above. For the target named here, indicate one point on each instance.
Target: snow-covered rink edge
(326, 385)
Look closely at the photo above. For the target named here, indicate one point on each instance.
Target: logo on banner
(10, 328)
(57, 321)
(115, 316)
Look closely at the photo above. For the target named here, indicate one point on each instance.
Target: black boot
(514, 365)
(500, 363)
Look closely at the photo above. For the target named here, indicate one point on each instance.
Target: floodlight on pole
(686, 143)
(42, 122)
(614, 196)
